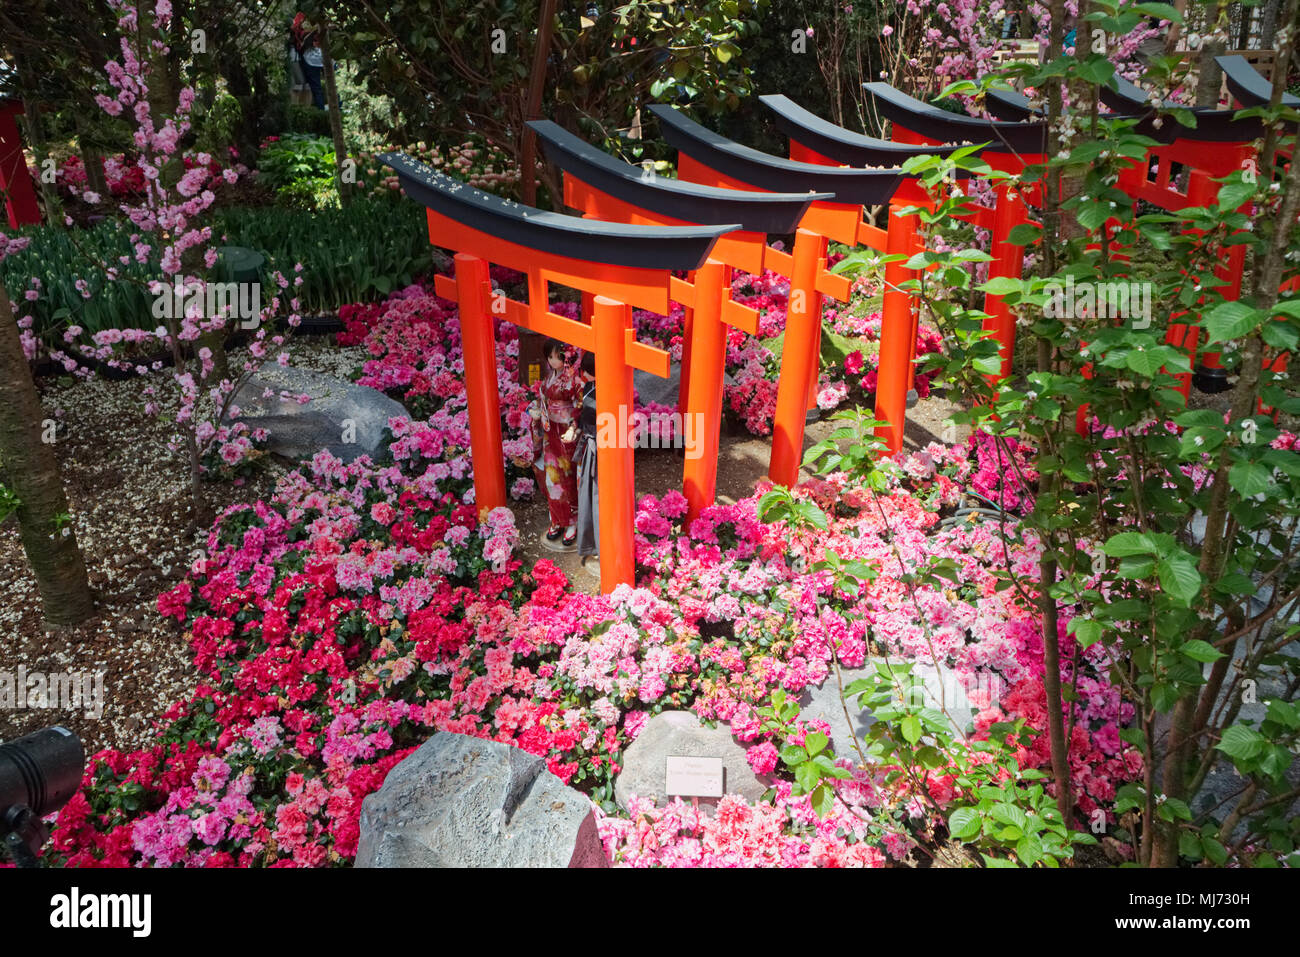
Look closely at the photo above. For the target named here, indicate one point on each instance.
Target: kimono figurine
(556, 415)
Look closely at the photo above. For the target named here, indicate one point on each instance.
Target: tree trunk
(1268, 28)
(533, 108)
(336, 121)
(33, 477)
(230, 63)
(1056, 228)
(92, 160)
(1209, 78)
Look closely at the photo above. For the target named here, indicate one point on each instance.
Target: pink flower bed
(365, 606)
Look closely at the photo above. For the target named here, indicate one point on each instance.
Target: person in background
(298, 91)
(307, 42)
(588, 490)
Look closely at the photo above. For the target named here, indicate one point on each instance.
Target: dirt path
(742, 462)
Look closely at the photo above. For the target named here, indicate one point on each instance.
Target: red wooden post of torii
(15, 181)
(621, 266)
(609, 189)
(712, 160)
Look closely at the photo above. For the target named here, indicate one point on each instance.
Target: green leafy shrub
(308, 120)
(299, 168)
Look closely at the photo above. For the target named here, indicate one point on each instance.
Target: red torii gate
(1010, 147)
(15, 181)
(815, 140)
(609, 189)
(623, 266)
(1221, 143)
(712, 160)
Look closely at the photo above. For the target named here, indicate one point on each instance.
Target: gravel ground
(129, 497)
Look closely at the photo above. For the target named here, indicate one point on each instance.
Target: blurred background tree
(458, 70)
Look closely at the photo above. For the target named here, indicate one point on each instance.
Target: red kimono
(561, 400)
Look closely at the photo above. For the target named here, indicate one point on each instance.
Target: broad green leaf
(1029, 849)
(1199, 650)
(1241, 743)
(1130, 543)
(1231, 320)
(1086, 631)
(1249, 478)
(911, 728)
(1179, 577)
(964, 823)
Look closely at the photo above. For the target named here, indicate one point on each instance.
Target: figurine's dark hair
(589, 363)
(551, 347)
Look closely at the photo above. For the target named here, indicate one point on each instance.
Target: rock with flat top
(680, 733)
(348, 419)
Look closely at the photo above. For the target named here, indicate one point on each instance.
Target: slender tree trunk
(533, 108)
(1268, 28)
(1209, 76)
(33, 477)
(91, 159)
(1053, 233)
(230, 62)
(336, 121)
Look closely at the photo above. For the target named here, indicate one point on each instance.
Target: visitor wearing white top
(307, 43)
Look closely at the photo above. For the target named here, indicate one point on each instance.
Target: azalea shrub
(366, 605)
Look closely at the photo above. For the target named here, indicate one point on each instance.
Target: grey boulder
(348, 419)
(461, 801)
(942, 688)
(680, 733)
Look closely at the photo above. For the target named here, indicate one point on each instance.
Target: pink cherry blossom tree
(168, 219)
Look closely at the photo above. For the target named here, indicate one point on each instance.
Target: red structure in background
(622, 266)
(919, 129)
(1009, 148)
(1220, 144)
(15, 181)
(712, 160)
(608, 189)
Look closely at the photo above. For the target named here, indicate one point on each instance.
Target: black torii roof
(1248, 85)
(838, 143)
(593, 240)
(1212, 125)
(936, 124)
(863, 187)
(691, 202)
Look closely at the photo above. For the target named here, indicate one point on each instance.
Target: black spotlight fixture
(39, 773)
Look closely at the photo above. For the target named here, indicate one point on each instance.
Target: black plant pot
(1211, 379)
